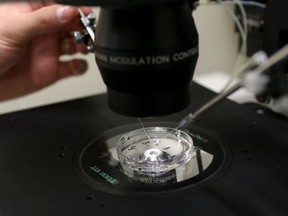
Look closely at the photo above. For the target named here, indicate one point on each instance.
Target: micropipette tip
(186, 121)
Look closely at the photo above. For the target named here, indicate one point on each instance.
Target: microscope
(90, 156)
(146, 52)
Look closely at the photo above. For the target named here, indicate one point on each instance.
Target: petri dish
(153, 154)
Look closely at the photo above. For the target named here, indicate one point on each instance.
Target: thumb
(48, 19)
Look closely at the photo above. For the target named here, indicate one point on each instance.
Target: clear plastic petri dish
(154, 152)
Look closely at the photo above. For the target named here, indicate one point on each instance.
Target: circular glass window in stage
(129, 161)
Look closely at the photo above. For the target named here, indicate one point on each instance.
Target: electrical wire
(254, 3)
(243, 2)
(241, 61)
(243, 33)
(245, 25)
(243, 51)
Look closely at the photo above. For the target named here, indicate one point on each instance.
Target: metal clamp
(88, 36)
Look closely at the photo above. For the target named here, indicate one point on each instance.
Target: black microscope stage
(50, 162)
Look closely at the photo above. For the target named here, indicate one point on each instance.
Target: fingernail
(65, 13)
(81, 67)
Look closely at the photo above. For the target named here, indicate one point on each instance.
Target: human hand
(32, 36)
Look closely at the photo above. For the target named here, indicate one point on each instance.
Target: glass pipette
(188, 119)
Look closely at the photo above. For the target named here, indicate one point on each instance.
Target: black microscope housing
(146, 54)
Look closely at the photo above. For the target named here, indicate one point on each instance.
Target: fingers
(48, 19)
(44, 78)
(68, 46)
(51, 18)
(57, 18)
(73, 67)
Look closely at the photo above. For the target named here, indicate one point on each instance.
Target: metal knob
(91, 19)
(77, 37)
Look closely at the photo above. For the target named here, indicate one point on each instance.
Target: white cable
(240, 66)
(237, 71)
(243, 33)
(245, 25)
(242, 30)
(254, 3)
(243, 50)
(251, 3)
(238, 24)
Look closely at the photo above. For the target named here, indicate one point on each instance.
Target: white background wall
(218, 51)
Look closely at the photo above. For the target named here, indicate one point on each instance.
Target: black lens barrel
(147, 55)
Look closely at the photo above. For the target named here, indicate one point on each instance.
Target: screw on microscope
(78, 37)
(90, 48)
(91, 19)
